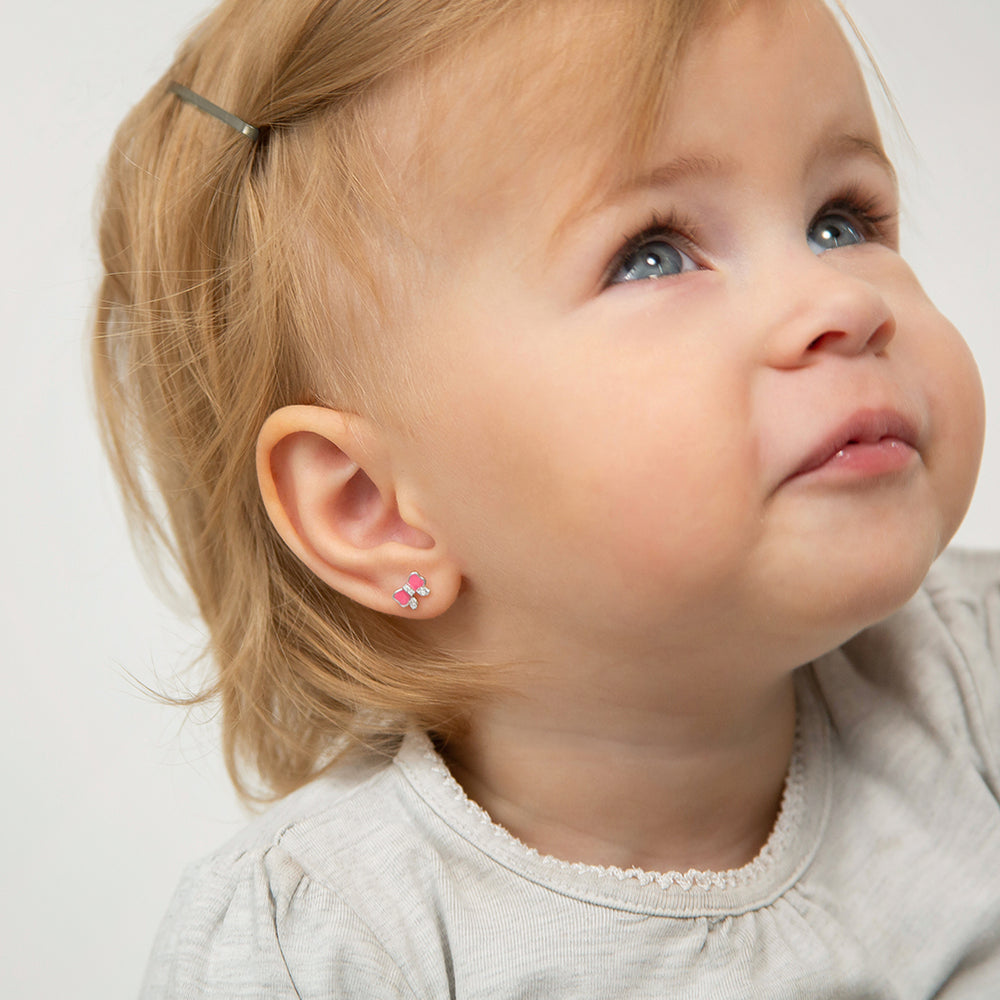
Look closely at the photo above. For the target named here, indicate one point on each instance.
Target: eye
(653, 253)
(854, 216)
(832, 230)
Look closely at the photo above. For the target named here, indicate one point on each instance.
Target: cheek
(640, 478)
(682, 532)
(957, 409)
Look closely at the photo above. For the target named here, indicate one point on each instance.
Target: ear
(327, 484)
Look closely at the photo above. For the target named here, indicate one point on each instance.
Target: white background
(107, 794)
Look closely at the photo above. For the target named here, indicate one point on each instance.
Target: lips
(869, 441)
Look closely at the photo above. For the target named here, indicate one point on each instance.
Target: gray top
(881, 878)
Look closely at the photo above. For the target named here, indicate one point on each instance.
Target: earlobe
(327, 484)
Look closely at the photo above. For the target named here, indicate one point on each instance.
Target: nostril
(881, 338)
(824, 340)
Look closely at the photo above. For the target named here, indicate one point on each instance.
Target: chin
(870, 588)
(829, 592)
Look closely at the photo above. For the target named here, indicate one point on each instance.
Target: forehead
(552, 78)
(571, 99)
(788, 63)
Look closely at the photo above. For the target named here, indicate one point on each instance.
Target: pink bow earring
(415, 586)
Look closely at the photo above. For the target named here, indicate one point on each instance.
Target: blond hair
(218, 307)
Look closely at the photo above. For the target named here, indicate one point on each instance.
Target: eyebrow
(698, 165)
(847, 143)
(680, 168)
(683, 167)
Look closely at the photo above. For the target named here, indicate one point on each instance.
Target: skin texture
(605, 499)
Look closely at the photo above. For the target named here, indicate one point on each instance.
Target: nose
(826, 310)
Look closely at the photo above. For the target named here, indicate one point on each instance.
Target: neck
(603, 781)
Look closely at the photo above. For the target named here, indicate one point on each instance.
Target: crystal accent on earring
(415, 586)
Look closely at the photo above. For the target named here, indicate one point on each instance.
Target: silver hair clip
(190, 97)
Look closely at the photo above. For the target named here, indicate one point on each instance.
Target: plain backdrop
(106, 793)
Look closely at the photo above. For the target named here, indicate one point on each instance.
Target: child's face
(615, 455)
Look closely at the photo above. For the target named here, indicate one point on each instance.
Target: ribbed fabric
(881, 878)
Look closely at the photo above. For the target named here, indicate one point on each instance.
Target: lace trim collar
(783, 857)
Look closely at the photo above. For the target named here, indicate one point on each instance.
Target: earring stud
(415, 586)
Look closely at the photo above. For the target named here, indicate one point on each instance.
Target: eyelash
(853, 201)
(678, 230)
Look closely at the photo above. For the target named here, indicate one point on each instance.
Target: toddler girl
(557, 445)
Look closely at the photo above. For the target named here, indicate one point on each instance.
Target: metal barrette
(190, 97)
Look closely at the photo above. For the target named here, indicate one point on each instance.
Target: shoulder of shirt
(280, 900)
(963, 588)
(962, 594)
(938, 657)
(329, 803)
(958, 604)
(967, 575)
(297, 859)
